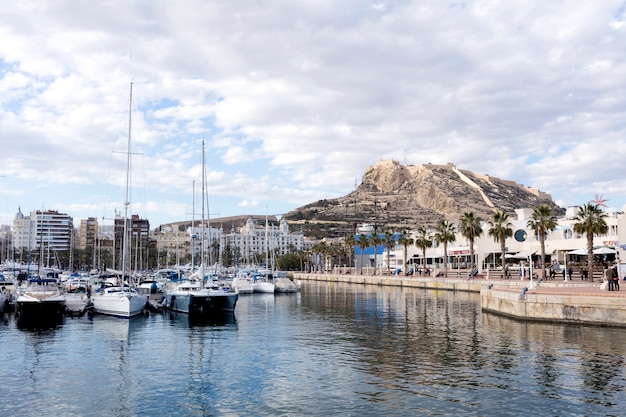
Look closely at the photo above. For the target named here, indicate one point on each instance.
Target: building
(256, 241)
(88, 233)
(180, 243)
(137, 241)
(44, 234)
(251, 241)
(562, 245)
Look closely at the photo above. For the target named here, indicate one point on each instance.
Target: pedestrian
(615, 278)
(608, 275)
(570, 271)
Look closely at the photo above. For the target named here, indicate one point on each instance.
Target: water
(334, 349)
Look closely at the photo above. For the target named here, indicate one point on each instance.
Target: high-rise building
(48, 230)
(88, 233)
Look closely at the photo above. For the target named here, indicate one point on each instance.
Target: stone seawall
(600, 309)
(552, 301)
(474, 285)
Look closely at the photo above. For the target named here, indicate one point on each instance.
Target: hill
(396, 196)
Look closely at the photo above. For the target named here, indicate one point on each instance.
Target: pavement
(583, 288)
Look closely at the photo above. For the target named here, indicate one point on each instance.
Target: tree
(375, 240)
(321, 250)
(445, 233)
(423, 241)
(501, 229)
(350, 243)
(470, 228)
(541, 222)
(390, 243)
(405, 240)
(363, 243)
(590, 221)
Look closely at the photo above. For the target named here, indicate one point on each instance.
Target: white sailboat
(121, 299)
(262, 283)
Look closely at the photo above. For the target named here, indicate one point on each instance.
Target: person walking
(615, 277)
(608, 275)
(570, 272)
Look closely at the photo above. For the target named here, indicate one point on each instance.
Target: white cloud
(294, 100)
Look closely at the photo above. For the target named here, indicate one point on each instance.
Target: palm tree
(541, 222)
(363, 243)
(350, 243)
(423, 241)
(321, 249)
(470, 229)
(501, 229)
(590, 222)
(375, 240)
(390, 243)
(405, 240)
(445, 233)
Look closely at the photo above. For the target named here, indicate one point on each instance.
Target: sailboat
(119, 298)
(190, 295)
(262, 282)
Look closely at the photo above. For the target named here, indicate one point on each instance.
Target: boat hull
(202, 305)
(40, 311)
(242, 285)
(125, 304)
(264, 287)
(41, 302)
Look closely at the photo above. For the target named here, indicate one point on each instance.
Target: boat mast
(193, 226)
(202, 237)
(126, 197)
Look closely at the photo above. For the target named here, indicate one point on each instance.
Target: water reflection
(332, 349)
(40, 323)
(114, 338)
(440, 345)
(227, 320)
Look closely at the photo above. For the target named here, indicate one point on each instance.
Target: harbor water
(332, 349)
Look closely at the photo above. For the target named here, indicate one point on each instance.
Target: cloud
(294, 100)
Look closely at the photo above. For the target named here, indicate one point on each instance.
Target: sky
(294, 99)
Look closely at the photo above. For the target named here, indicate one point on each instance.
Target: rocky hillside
(396, 196)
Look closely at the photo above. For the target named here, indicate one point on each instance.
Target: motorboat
(223, 297)
(186, 296)
(190, 296)
(285, 285)
(242, 284)
(261, 285)
(78, 297)
(41, 301)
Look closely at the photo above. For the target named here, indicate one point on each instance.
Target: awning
(521, 255)
(603, 250)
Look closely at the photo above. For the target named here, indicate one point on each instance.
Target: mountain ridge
(396, 196)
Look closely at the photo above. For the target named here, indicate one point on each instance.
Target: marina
(332, 348)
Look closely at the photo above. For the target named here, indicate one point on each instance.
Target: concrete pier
(552, 300)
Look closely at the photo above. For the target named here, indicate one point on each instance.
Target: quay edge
(552, 301)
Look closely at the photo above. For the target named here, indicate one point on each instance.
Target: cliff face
(398, 196)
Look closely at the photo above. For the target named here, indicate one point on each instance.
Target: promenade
(574, 301)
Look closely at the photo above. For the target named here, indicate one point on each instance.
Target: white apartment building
(49, 230)
(254, 240)
(250, 242)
